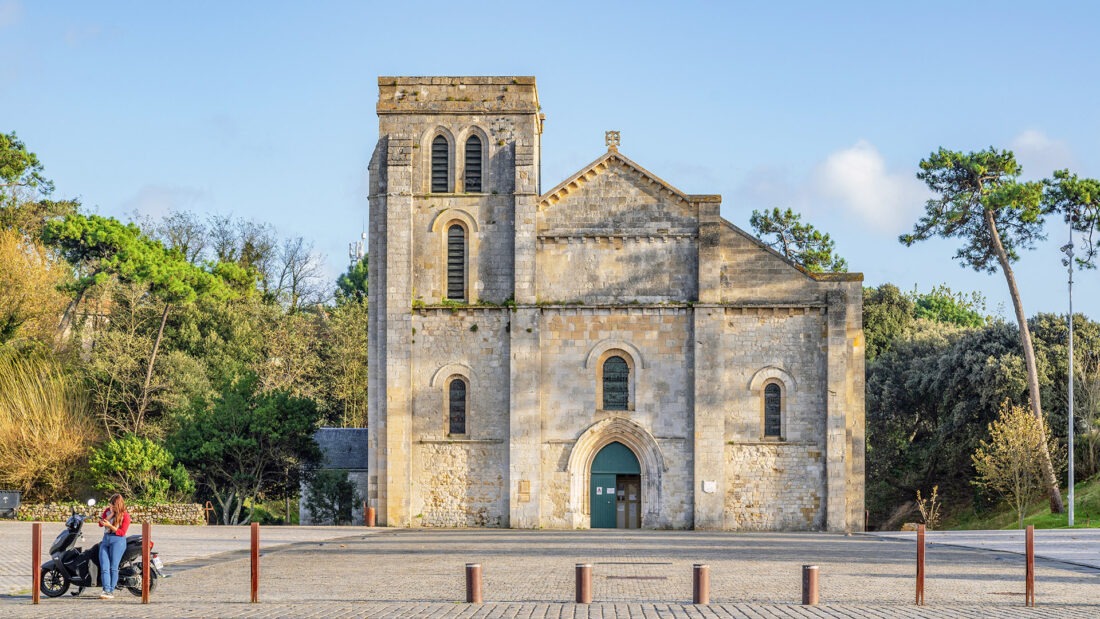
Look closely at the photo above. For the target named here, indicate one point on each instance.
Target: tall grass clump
(45, 430)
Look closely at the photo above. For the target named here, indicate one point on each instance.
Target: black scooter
(71, 566)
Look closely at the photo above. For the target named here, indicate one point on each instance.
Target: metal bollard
(473, 583)
(36, 560)
(146, 546)
(920, 565)
(700, 589)
(255, 588)
(370, 516)
(584, 583)
(1029, 547)
(809, 585)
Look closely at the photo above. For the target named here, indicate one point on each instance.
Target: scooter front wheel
(53, 582)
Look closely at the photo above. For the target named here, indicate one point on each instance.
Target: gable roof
(598, 167)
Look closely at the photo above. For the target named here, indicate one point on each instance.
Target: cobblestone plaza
(349, 572)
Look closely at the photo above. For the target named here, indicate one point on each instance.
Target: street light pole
(1068, 249)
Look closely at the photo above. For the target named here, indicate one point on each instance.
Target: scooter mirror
(91, 502)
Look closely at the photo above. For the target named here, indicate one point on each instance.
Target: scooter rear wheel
(53, 582)
(152, 584)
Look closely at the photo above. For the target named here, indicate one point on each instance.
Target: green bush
(331, 496)
(140, 469)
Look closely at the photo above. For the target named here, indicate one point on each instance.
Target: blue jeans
(110, 555)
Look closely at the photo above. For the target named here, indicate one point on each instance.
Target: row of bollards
(1029, 574)
(700, 572)
(700, 586)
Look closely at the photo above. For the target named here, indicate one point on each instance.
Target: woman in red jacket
(115, 520)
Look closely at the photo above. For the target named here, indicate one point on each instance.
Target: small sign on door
(599, 489)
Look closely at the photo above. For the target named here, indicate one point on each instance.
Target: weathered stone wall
(617, 238)
(658, 342)
(168, 513)
(460, 480)
(459, 483)
(774, 486)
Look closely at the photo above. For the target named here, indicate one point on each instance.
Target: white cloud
(156, 201)
(1040, 155)
(11, 11)
(856, 180)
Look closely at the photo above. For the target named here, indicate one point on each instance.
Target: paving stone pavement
(643, 574)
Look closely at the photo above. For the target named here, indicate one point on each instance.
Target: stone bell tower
(453, 183)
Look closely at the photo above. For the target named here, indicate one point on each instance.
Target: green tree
(102, 247)
(799, 242)
(140, 469)
(1010, 463)
(246, 446)
(1078, 201)
(979, 199)
(352, 284)
(24, 191)
(331, 496)
(887, 316)
(942, 304)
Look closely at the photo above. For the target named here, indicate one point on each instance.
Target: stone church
(606, 353)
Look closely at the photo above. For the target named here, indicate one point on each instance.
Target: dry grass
(45, 429)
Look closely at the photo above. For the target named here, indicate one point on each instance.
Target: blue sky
(266, 110)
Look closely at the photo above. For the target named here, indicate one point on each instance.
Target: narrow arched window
(616, 384)
(440, 164)
(473, 164)
(456, 263)
(773, 426)
(456, 407)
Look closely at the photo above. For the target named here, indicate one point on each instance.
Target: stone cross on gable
(612, 139)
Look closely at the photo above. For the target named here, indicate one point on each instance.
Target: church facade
(606, 353)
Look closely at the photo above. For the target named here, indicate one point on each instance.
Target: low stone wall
(165, 513)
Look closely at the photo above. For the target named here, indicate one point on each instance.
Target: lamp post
(1068, 261)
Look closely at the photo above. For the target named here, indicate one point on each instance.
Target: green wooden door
(603, 500)
(612, 461)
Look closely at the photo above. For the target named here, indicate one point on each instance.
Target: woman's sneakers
(106, 596)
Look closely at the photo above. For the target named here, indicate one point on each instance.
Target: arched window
(456, 263)
(773, 411)
(440, 164)
(616, 384)
(473, 164)
(456, 406)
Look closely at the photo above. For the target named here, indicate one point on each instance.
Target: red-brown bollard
(700, 585)
(255, 562)
(584, 583)
(809, 585)
(473, 583)
(920, 565)
(370, 516)
(1029, 544)
(36, 560)
(146, 546)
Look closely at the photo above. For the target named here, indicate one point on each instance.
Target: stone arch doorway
(615, 492)
(651, 466)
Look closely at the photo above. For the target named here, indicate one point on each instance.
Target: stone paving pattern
(419, 573)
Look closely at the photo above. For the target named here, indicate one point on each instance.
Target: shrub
(331, 496)
(140, 469)
(45, 430)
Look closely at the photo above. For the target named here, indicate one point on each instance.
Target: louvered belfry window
(456, 400)
(456, 263)
(473, 164)
(439, 164)
(616, 384)
(772, 425)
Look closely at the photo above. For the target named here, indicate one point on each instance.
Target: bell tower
(453, 183)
